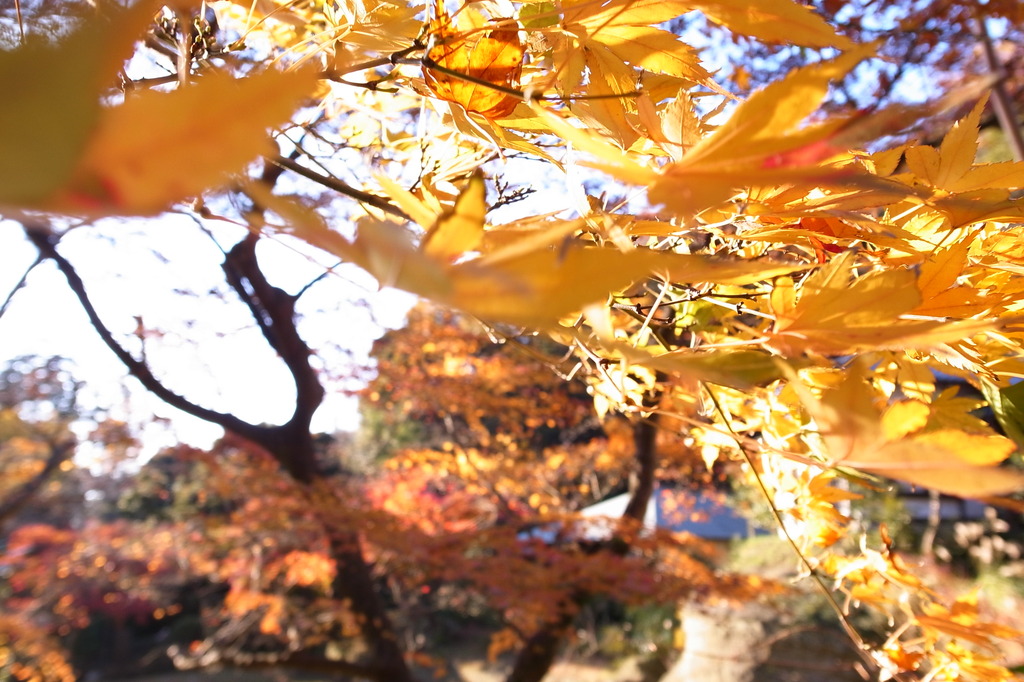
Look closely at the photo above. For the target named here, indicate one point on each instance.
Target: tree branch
(59, 453)
(291, 443)
(1001, 102)
(644, 437)
(46, 242)
(339, 186)
(274, 312)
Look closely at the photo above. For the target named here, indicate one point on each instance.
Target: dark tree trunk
(291, 444)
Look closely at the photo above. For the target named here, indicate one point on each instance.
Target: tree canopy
(760, 281)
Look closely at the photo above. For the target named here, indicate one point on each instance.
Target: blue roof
(705, 514)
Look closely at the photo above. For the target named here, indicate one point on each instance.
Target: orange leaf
(472, 68)
(161, 147)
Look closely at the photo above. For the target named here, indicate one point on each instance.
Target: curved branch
(46, 241)
(274, 312)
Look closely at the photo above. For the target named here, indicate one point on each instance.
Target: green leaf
(538, 15)
(1008, 405)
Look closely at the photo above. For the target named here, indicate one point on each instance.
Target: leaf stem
(863, 650)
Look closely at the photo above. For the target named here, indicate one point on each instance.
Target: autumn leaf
(764, 141)
(897, 445)
(945, 166)
(741, 369)
(963, 621)
(951, 168)
(823, 297)
(160, 147)
(680, 126)
(837, 313)
(615, 39)
(52, 101)
(941, 293)
(460, 230)
(532, 278)
(1007, 404)
(474, 67)
(774, 21)
(610, 79)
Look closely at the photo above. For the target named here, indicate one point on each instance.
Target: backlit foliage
(778, 287)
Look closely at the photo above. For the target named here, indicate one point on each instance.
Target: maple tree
(775, 287)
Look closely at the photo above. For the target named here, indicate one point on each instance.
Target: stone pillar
(721, 643)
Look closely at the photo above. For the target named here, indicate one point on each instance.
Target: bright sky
(204, 346)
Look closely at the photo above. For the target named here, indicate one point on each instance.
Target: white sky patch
(203, 346)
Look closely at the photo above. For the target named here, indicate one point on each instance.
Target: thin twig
(863, 650)
(527, 95)
(339, 186)
(1001, 102)
(21, 23)
(19, 285)
(316, 279)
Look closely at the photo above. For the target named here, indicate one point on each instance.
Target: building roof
(705, 514)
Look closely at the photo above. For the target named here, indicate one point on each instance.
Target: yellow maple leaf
(531, 277)
(955, 155)
(963, 620)
(610, 77)
(903, 418)
(774, 21)
(956, 662)
(160, 147)
(741, 369)
(765, 141)
(838, 314)
(651, 49)
(856, 434)
(680, 127)
(462, 228)
(937, 281)
(615, 34)
(951, 167)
